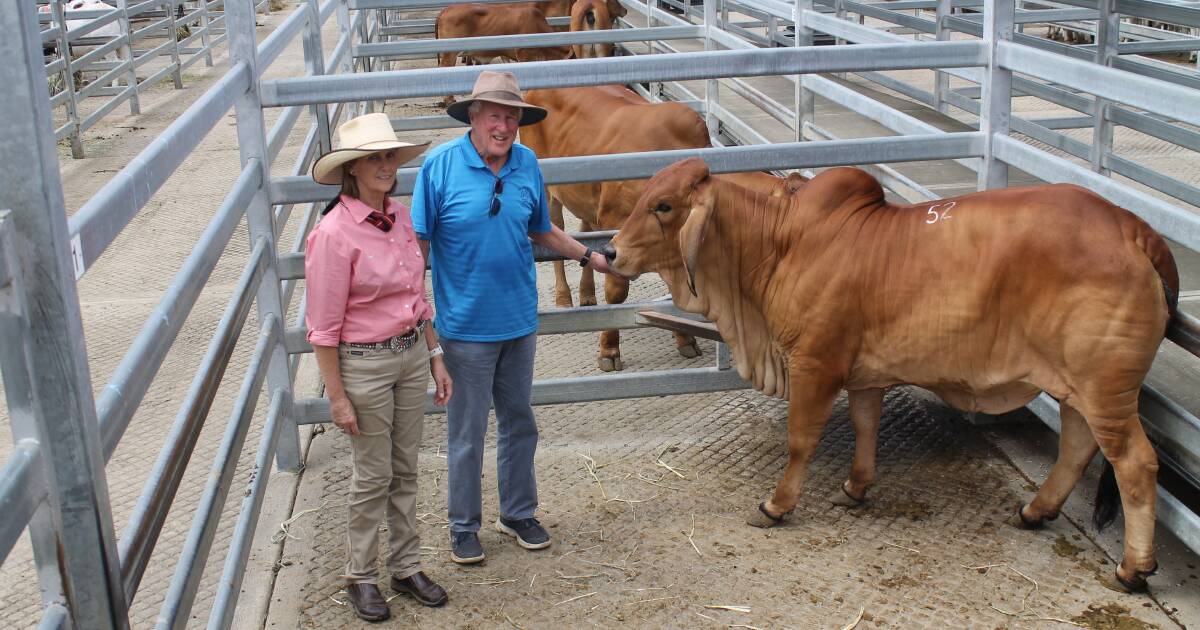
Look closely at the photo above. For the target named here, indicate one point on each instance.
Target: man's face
(495, 128)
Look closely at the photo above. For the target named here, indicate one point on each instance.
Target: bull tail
(1155, 248)
(1108, 498)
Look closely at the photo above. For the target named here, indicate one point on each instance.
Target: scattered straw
(655, 599)
(659, 462)
(491, 582)
(742, 625)
(591, 468)
(1024, 599)
(285, 527)
(579, 577)
(532, 579)
(565, 601)
(901, 547)
(514, 624)
(578, 551)
(338, 601)
(632, 500)
(854, 624)
(707, 617)
(639, 590)
(656, 482)
(693, 533)
(740, 609)
(631, 572)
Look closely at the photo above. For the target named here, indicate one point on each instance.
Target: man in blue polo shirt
(477, 204)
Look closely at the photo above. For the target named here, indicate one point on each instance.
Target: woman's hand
(343, 415)
(443, 386)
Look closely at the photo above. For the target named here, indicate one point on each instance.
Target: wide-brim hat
(501, 88)
(362, 136)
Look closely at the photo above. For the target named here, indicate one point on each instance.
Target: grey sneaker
(466, 548)
(528, 531)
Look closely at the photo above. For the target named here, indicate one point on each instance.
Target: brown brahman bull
(986, 300)
(614, 119)
(481, 20)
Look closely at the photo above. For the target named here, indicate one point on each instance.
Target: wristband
(436, 351)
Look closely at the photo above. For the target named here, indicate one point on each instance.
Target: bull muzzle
(610, 252)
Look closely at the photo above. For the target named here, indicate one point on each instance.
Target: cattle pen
(949, 83)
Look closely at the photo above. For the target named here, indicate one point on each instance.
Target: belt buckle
(394, 344)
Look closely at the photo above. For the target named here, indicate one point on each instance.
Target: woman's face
(376, 173)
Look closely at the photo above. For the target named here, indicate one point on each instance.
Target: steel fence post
(711, 86)
(64, 52)
(314, 57)
(804, 100)
(346, 65)
(58, 400)
(942, 33)
(135, 106)
(173, 37)
(996, 107)
(205, 33)
(1108, 35)
(252, 145)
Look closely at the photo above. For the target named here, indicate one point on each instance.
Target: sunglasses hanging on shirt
(496, 192)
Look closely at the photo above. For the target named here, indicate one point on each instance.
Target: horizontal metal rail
(1176, 102)
(119, 399)
(145, 524)
(775, 157)
(22, 490)
(671, 67)
(94, 227)
(612, 386)
(535, 40)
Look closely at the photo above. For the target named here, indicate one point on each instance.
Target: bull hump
(837, 185)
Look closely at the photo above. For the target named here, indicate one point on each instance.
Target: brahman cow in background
(594, 15)
(605, 120)
(482, 20)
(986, 300)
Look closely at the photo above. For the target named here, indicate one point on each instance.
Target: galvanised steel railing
(189, 29)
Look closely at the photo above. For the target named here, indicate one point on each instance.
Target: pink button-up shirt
(363, 284)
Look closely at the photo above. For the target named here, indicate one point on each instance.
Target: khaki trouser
(387, 390)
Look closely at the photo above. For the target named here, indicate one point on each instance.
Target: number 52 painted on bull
(935, 215)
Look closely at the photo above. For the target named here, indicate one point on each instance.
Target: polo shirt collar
(476, 161)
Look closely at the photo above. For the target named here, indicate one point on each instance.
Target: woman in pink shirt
(369, 325)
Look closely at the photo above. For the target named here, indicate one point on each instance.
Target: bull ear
(695, 228)
(616, 9)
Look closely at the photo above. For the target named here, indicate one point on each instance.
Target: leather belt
(399, 343)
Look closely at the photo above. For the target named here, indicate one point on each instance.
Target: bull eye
(662, 207)
(591, 18)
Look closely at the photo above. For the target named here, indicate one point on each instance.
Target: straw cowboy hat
(361, 136)
(497, 87)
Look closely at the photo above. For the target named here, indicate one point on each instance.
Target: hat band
(500, 95)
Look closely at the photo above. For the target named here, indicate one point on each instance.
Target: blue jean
(485, 373)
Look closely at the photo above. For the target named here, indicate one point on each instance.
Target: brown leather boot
(368, 602)
(421, 588)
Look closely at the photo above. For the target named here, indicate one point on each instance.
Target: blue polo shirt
(484, 280)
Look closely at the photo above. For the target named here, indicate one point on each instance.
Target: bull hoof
(763, 519)
(610, 364)
(845, 499)
(1019, 521)
(1136, 584)
(690, 350)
